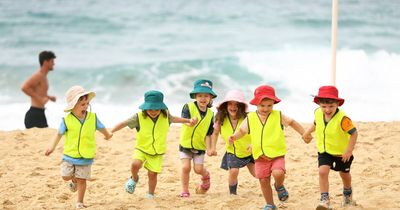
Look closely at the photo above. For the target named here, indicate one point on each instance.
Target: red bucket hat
(264, 91)
(328, 92)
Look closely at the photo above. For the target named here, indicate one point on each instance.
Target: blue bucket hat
(202, 86)
(153, 100)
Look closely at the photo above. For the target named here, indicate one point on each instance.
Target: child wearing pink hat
(336, 138)
(79, 127)
(265, 127)
(231, 112)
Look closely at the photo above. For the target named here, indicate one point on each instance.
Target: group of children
(253, 139)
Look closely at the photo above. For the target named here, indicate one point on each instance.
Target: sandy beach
(30, 180)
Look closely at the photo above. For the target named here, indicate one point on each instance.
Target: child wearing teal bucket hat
(152, 125)
(194, 141)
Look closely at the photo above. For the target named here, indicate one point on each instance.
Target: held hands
(212, 152)
(108, 137)
(307, 137)
(193, 121)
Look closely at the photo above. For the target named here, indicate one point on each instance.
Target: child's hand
(346, 156)
(48, 151)
(231, 139)
(307, 138)
(193, 121)
(249, 148)
(108, 137)
(211, 152)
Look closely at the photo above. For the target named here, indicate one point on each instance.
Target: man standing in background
(36, 87)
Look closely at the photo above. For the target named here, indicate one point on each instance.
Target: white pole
(333, 41)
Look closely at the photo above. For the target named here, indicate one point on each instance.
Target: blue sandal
(131, 185)
(269, 207)
(283, 194)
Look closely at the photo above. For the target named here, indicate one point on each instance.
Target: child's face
(265, 107)
(81, 106)
(153, 113)
(203, 99)
(232, 108)
(329, 109)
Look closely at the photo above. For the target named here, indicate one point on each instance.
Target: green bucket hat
(153, 100)
(202, 86)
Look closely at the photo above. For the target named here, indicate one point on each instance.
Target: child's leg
(266, 190)
(186, 167)
(346, 179)
(279, 177)
(233, 176)
(250, 166)
(201, 170)
(324, 178)
(81, 185)
(135, 167)
(233, 181)
(152, 181)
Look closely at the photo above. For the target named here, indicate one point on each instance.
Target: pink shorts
(264, 167)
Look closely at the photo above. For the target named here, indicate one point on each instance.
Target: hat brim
(71, 105)
(340, 100)
(153, 106)
(202, 90)
(257, 100)
(246, 106)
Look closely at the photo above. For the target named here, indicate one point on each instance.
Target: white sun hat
(74, 93)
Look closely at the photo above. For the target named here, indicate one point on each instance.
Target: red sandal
(204, 187)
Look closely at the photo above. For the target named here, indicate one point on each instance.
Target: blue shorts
(231, 161)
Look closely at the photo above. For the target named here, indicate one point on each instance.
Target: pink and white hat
(73, 94)
(234, 95)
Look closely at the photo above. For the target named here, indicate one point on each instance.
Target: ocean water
(121, 49)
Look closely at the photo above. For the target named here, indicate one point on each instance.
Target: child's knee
(66, 178)
(323, 172)
(278, 173)
(186, 168)
(199, 169)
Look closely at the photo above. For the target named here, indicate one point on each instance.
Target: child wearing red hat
(265, 127)
(336, 138)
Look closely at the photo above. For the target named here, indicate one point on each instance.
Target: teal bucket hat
(202, 86)
(153, 100)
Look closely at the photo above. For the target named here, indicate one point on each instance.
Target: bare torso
(36, 87)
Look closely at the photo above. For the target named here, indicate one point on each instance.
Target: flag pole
(334, 40)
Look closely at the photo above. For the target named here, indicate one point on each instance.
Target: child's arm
(119, 126)
(208, 144)
(349, 152)
(189, 122)
(107, 135)
(51, 148)
(240, 133)
(307, 134)
(297, 127)
(214, 139)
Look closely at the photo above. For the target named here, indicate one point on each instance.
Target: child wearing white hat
(79, 127)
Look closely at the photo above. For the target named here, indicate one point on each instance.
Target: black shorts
(231, 161)
(35, 117)
(334, 162)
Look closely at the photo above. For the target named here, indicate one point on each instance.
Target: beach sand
(31, 180)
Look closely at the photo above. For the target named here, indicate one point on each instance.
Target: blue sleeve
(63, 128)
(99, 124)
(185, 112)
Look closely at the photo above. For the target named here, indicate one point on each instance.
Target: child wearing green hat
(152, 125)
(194, 141)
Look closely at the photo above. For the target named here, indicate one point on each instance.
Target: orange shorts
(264, 167)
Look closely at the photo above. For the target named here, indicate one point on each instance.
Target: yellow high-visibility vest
(331, 138)
(152, 136)
(239, 147)
(194, 137)
(80, 141)
(267, 139)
